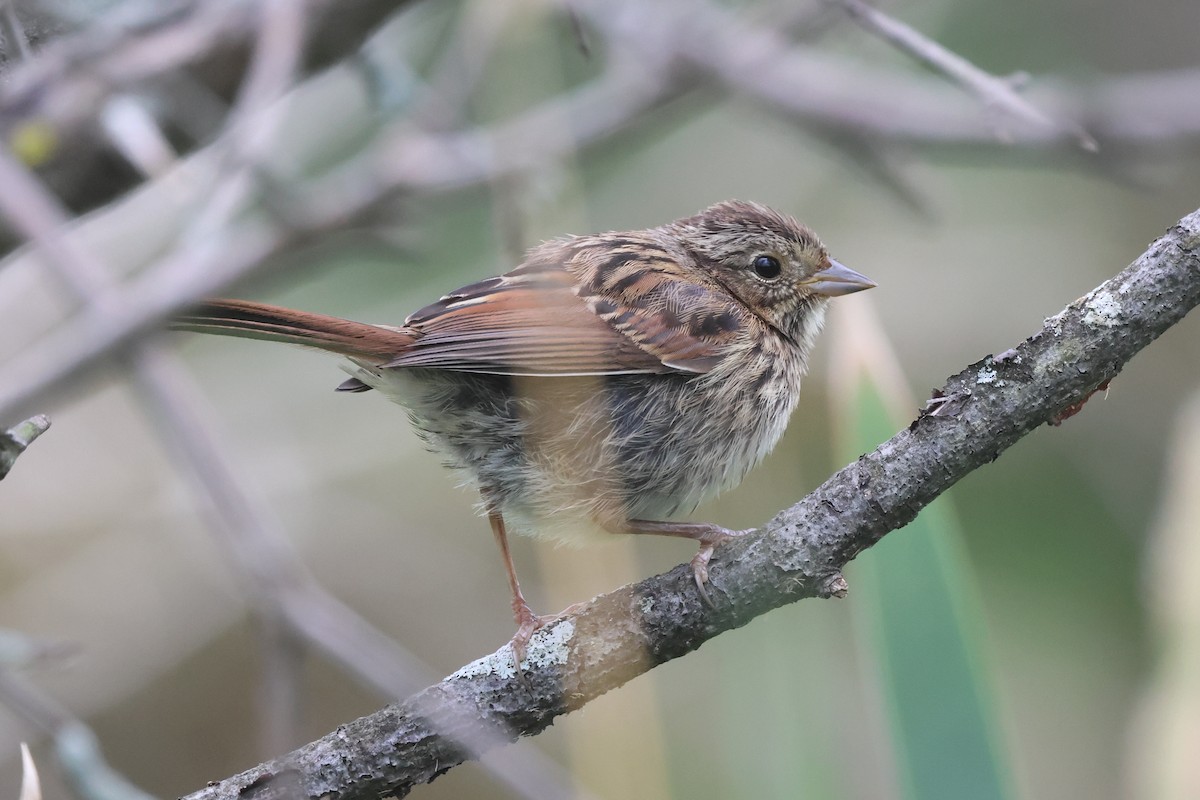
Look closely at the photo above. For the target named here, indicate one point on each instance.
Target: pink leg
(707, 534)
(527, 621)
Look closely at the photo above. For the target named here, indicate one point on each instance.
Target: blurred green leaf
(84, 766)
(917, 600)
(1167, 735)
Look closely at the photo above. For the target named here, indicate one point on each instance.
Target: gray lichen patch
(553, 647)
(986, 375)
(1102, 308)
(548, 647)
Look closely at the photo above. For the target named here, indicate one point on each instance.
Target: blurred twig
(800, 553)
(12, 32)
(838, 93)
(679, 45)
(20, 651)
(14, 440)
(49, 103)
(89, 776)
(996, 93)
(463, 64)
(74, 76)
(31, 784)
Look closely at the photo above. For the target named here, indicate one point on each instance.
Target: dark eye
(767, 267)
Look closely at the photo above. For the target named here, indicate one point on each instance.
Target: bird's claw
(529, 623)
(708, 544)
(700, 572)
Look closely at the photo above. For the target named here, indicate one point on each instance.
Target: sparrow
(610, 382)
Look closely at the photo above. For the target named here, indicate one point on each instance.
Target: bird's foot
(708, 543)
(529, 623)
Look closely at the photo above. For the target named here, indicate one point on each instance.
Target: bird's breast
(559, 453)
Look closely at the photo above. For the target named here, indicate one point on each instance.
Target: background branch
(998, 94)
(679, 47)
(14, 440)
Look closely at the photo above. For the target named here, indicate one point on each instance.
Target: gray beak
(837, 280)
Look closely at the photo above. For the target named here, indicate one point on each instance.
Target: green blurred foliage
(919, 611)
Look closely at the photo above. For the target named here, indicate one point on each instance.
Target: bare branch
(31, 784)
(838, 93)
(996, 93)
(74, 76)
(83, 765)
(800, 553)
(51, 102)
(14, 441)
(656, 52)
(12, 32)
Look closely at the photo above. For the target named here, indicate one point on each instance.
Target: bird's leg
(527, 621)
(705, 533)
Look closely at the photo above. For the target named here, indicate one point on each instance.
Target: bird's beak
(836, 280)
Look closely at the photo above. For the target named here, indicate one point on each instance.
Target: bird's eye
(767, 267)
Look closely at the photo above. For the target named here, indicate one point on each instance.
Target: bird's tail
(250, 320)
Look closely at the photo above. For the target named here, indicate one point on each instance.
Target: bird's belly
(562, 456)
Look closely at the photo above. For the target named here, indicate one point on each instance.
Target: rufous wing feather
(595, 313)
(520, 325)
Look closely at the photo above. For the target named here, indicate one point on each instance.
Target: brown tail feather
(250, 320)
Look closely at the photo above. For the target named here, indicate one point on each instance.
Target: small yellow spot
(33, 142)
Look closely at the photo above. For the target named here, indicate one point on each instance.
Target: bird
(607, 384)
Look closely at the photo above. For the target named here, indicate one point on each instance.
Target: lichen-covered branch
(800, 553)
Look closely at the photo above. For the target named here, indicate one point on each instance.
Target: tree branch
(14, 441)
(51, 103)
(705, 42)
(997, 93)
(977, 415)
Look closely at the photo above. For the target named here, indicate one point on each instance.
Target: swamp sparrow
(608, 382)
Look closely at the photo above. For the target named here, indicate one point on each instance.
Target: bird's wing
(601, 310)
